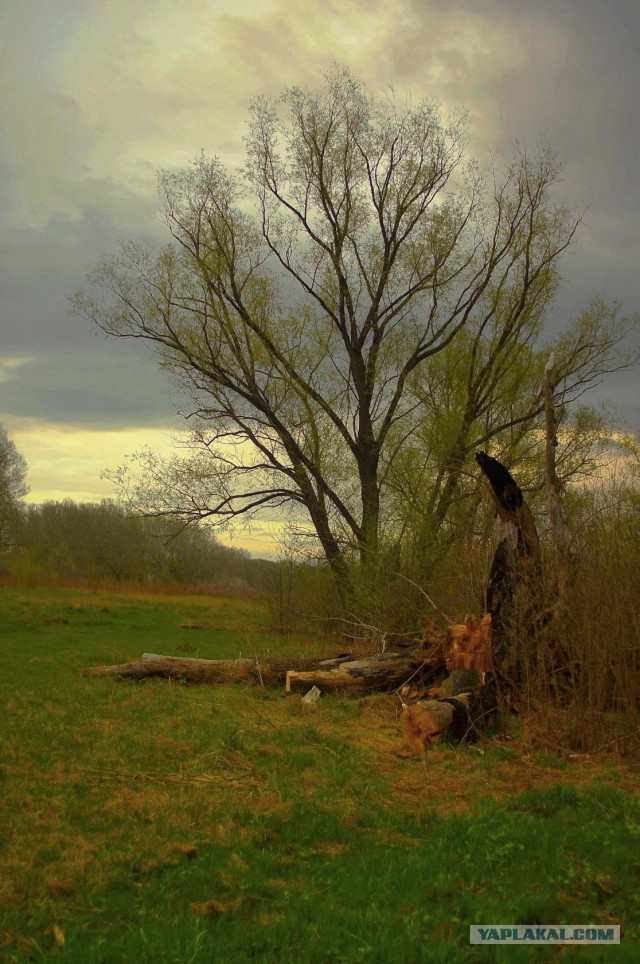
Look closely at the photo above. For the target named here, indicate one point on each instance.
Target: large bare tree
(304, 298)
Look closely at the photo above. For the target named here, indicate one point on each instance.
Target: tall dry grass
(586, 666)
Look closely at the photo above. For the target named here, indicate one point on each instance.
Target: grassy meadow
(164, 822)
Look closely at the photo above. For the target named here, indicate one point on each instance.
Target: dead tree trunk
(380, 671)
(256, 669)
(461, 706)
(479, 650)
(515, 582)
(514, 511)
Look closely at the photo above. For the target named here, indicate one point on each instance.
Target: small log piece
(429, 719)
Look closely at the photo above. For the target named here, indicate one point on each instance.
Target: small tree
(302, 326)
(13, 487)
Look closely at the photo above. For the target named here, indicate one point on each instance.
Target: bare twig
(428, 598)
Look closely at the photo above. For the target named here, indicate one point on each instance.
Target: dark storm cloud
(570, 76)
(87, 389)
(42, 266)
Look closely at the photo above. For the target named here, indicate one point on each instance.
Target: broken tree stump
(462, 705)
(514, 592)
(470, 645)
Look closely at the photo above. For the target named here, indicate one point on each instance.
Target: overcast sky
(97, 95)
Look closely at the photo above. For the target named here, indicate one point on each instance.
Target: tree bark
(381, 672)
(255, 669)
(514, 593)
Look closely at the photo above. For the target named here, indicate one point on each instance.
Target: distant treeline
(90, 542)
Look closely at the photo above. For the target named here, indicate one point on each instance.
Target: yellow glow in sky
(66, 463)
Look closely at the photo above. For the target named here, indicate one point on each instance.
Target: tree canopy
(356, 305)
(102, 541)
(13, 487)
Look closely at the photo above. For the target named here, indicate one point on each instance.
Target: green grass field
(170, 823)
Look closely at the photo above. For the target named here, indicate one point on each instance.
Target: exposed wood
(382, 671)
(512, 508)
(458, 709)
(470, 645)
(268, 669)
(429, 719)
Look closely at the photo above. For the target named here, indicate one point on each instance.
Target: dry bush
(579, 667)
(596, 642)
(302, 598)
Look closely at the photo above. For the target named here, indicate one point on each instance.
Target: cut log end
(428, 720)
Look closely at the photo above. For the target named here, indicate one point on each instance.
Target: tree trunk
(256, 669)
(462, 706)
(381, 672)
(513, 510)
(330, 545)
(370, 498)
(514, 593)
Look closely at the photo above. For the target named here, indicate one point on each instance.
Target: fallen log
(254, 669)
(383, 671)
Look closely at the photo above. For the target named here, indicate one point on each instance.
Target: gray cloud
(97, 97)
(114, 389)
